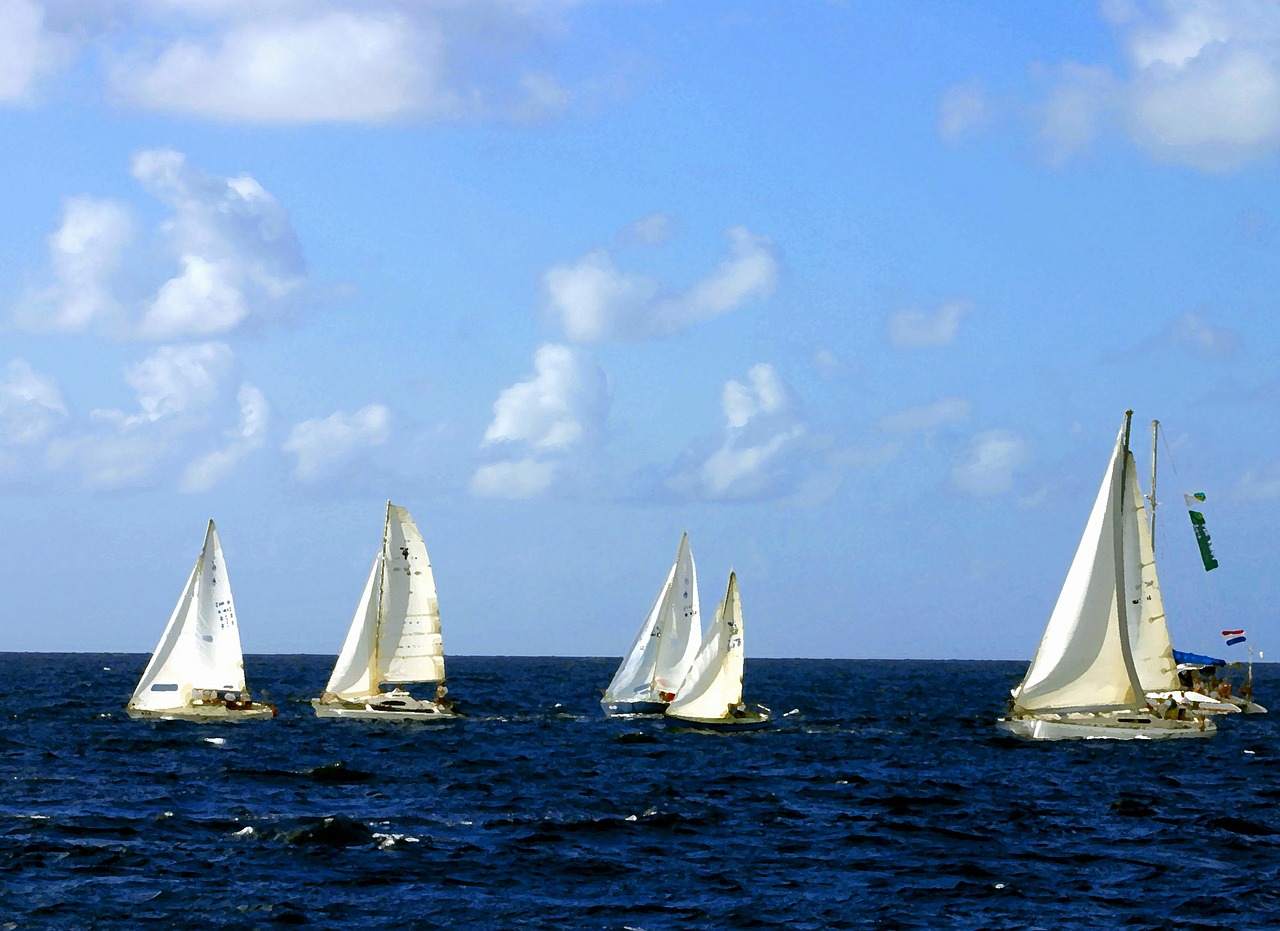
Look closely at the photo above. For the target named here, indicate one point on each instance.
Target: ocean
(883, 798)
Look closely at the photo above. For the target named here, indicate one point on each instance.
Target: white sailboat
(711, 695)
(651, 672)
(1084, 679)
(197, 670)
(394, 638)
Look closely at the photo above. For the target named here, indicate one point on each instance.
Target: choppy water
(885, 801)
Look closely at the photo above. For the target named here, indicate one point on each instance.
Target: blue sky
(854, 293)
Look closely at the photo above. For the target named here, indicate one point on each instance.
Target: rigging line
(1168, 451)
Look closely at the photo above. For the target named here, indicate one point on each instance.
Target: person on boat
(738, 710)
(443, 701)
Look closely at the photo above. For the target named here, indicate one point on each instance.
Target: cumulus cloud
(335, 61)
(31, 405)
(29, 51)
(85, 253)
(918, 329)
(323, 444)
(596, 302)
(226, 254)
(175, 383)
(987, 466)
(212, 468)
(753, 456)
(365, 65)
(1199, 84)
(542, 426)
(652, 229)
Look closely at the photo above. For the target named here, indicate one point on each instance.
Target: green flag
(1202, 538)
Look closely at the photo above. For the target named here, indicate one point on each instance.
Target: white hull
(203, 713)
(426, 711)
(1123, 725)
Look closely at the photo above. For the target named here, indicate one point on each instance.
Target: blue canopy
(1198, 659)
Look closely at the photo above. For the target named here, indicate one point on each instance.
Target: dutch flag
(1233, 637)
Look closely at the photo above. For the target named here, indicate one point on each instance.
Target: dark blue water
(885, 801)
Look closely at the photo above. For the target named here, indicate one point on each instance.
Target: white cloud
(209, 470)
(174, 381)
(926, 417)
(374, 61)
(227, 254)
(754, 452)
(542, 426)
(368, 65)
(987, 466)
(917, 329)
(111, 461)
(1200, 87)
(324, 443)
(235, 244)
(31, 406)
(595, 301)
(964, 109)
(86, 254)
(28, 51)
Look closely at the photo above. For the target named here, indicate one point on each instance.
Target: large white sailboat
(1084, 680)
(651, 672)
(197, 670)
(394, 638)
(710, 697)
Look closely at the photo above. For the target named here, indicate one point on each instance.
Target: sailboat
(711, 696)
(197, 670)
(650, 674)
(394, 638)
(1083, 681)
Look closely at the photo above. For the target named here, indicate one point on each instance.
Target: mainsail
(664, 647)
(1084, 660)
(200, 646)
(714, 682)
(1149, 631)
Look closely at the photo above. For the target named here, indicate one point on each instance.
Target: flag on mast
(1202, 534)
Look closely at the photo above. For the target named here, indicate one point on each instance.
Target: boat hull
(631, 709)
(751, 721)
(1105, 726)
(428, 712)
(203, 713)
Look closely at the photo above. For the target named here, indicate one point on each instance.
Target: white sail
(355, 674)
(200, 646)
(1149, 631)
(410, 647)
(1083, 662)
(668, 639)
(714, 682)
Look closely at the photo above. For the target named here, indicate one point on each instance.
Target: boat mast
(1155, 427)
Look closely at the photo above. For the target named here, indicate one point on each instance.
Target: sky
(855, 293)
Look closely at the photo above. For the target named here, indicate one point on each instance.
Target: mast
(1155, 428)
